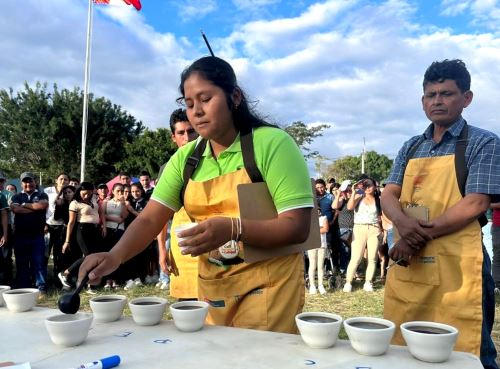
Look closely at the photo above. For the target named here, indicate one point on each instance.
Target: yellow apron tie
(265, 295)
(444, 281)
(185, 285)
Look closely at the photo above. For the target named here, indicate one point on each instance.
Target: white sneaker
(129, 285)
(138, 282)
(164, 286)
(497, 291)
(321, 289)
(312, 290)
(64, 280)
(368, 287)
(158, 284)
(347, 287)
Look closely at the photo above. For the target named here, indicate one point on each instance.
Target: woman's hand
(97, 266)
(104, 231)
(208, 235)
(66, 246)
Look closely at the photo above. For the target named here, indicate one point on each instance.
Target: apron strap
(248, 153)
(461, 169)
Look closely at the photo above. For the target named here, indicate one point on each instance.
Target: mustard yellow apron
(185, 285)
(265, 295)
(444, 281)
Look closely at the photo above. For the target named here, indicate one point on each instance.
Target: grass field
(357, 303)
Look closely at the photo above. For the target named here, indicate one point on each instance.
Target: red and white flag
(135, 3)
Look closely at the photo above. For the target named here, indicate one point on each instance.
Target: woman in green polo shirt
(240, 294)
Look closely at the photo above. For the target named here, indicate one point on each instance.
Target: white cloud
(481, 12)
(253, 4)
(195, 9)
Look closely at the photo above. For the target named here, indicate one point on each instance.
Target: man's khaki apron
(444, 281)
(185, 285)
(265, 295)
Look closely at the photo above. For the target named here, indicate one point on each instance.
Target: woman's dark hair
(67, 187)
(139, 186)
(376, 193)
(84, 186)
(455, 69)
(221, 74)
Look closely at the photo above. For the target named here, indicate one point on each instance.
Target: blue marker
(106, 363)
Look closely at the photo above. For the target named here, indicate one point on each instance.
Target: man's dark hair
(145, 173)
(178, 115)
(74, 179)
(123, 174)
(320, 181)
(454, 69)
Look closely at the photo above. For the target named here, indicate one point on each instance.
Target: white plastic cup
(183, 227)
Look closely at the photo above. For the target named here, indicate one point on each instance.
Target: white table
(23, 338)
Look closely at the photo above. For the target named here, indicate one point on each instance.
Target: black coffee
(427, 330)
(368, 325)
(106, 299)
(318, 319)
(146, 303)
(188, 307)
(18, 292)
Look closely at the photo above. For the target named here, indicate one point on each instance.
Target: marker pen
(106, 363)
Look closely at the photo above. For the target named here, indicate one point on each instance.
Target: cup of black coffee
(189, 316)
(108, 308)
(429, 341)
(147, 310)
(319, 329)
(369, 336)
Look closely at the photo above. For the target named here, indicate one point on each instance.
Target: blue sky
(354, 64)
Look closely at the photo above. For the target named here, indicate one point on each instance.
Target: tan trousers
(364, 236)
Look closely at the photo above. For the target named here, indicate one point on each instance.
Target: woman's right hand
(97, 266)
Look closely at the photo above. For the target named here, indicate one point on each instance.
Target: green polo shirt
(278, 158)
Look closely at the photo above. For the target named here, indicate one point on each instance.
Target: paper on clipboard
(256, 203)
(415, 212)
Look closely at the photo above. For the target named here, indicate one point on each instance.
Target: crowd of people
(445, 173)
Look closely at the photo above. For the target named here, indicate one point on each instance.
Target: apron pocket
(424, 269)
(239, 300)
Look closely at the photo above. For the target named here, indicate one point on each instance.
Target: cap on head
(25, 175)
(345, 184)
(102, 185)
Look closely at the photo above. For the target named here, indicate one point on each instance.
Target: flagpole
(86, 89)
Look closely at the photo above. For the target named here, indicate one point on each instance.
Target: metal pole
(363, 157)
(86, 89)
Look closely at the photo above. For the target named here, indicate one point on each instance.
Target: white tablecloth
(23, 338)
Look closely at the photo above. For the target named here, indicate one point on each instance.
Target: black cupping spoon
(69, 303)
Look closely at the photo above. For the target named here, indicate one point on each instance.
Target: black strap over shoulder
(248, 153)
(461, 170)
(191, 165)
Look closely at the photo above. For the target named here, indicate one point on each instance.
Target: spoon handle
(82, 283)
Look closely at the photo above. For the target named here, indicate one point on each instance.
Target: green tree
(148, 152)
(40, 130)
(349, 167)
(304, 136)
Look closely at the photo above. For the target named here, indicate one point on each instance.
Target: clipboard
(415, 212)
(256, 203)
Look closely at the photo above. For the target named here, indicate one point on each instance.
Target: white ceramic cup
(189, 316)
(21, 299)
(430, 347)
(147, 310)
(183, 227)
(68, 329)
(108, 308)
(369, 336)
(2, 290)
(318, 329)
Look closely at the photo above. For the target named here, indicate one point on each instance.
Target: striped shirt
(482, 156)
